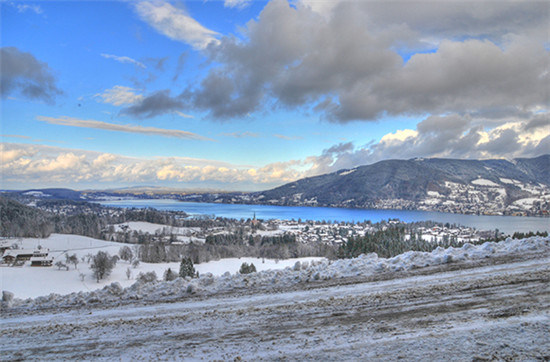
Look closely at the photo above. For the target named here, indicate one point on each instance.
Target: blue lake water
(506, 224)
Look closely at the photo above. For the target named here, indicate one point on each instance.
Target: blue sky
(248, 95)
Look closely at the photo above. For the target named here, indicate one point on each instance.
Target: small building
(42, 261)
(13, 256)
(5, 245)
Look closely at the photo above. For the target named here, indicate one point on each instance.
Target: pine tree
(169, 275)
(186, 268)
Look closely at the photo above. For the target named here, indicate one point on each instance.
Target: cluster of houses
(18, 257)
(338, 233)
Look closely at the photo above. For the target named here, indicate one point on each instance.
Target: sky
(244, 95)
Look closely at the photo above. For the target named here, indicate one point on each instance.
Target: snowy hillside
(31, 282)
(487, 302)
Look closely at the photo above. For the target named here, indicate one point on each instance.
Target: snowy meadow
(32, 282)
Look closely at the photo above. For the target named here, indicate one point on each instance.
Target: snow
(526, 203)
(484, 182)
(36, 194)
(347, 172)
(491, 311)
(32, 282)
(147, 227)
(508, 181)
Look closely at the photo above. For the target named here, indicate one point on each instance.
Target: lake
(506, 224)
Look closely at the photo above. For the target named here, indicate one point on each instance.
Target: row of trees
(391, 242)
(159, 252)
(102, 264)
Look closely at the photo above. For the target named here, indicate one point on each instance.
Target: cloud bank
(76, 168)
(347, 64)
(451, 136)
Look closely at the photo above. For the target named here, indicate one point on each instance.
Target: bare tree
(102, 265)
(61, 265)
(73, 259)
(125, 253)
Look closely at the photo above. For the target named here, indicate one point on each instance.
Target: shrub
(247, 269)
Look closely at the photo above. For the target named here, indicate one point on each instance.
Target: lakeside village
(480, 197)
(167, 236)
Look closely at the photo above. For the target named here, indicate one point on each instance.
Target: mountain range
(498, 186)
(519, 186)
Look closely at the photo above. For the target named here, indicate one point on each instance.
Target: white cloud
(73, 122)
(124, 59)
(36, 165)
(451, 136)
(287, 138)
(236, 3)
(34, 8)
(175, 23)
(241, 134)
(398, 136)
(181, 114)
(120, 95)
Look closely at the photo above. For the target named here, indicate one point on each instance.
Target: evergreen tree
(169, 275)
(186, 268)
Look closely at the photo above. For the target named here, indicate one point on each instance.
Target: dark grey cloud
(224, 96)
(507, 141)
(539, 121)
(453, 19)
(156, 104)
(462, 77)
(346, 65)
(543, 147)
(22, 73)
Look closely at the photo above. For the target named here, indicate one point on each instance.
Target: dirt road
(494, 312)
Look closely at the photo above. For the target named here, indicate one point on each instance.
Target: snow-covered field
(487, 302)
(31, 282)
(182, 234)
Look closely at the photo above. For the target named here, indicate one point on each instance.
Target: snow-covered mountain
(519, 186)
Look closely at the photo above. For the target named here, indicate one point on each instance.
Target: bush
(247, 269)
(169, 275)
(149, 277)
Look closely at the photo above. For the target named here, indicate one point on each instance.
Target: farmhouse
(14, 256)
(5, 245)
(42, 261)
